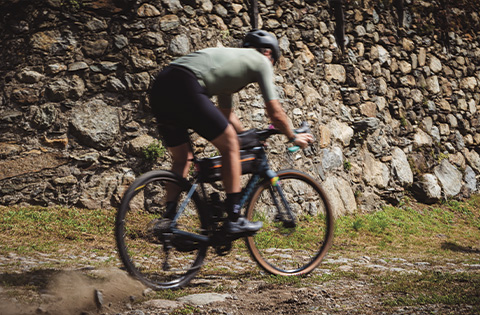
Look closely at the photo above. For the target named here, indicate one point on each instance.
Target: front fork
(284, 212)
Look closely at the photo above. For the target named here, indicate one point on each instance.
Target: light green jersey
(224, 71)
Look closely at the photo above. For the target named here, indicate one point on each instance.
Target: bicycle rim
(295, 250)
(143, 253)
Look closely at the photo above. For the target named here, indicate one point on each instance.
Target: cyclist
(180, 100)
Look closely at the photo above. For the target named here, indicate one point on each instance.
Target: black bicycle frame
(263, 172)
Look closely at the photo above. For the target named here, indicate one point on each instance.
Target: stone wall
(396, 114)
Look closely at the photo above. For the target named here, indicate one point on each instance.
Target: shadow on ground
(459, 248)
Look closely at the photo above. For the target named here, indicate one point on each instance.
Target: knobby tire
(143, 253)
(289, 251)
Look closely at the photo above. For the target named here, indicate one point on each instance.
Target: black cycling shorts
(179, 103)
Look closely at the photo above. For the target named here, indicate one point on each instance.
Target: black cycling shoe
(242, 226)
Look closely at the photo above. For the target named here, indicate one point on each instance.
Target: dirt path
(343, 284)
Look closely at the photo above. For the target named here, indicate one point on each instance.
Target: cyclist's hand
(303, 140)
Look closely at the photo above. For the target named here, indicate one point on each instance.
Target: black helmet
(262, 39)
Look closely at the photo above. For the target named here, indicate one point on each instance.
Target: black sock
(232, 206)
(170, 209)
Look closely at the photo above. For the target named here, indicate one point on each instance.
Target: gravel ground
(75, 284)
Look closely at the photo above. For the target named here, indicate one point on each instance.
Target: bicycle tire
(143, 253)
(291, 251)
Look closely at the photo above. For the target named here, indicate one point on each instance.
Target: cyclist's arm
(264, 74)
(279, 118)
(233, 119)
(281, 121)
(225, 103)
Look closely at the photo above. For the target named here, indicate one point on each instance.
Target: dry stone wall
(396, 114)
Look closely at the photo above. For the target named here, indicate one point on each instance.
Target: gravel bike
(297, 218)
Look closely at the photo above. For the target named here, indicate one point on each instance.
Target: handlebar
(304, 128)
(266, 133)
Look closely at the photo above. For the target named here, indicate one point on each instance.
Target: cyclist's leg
(227, 144)
(167, 101)
(181, 156)
(213, 126)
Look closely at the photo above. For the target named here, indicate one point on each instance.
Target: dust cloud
(76, 292)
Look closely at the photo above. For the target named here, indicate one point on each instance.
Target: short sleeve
(265, 80)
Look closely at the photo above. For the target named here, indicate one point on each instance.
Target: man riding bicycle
(180, 100)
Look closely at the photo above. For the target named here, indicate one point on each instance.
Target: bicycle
(297, 218)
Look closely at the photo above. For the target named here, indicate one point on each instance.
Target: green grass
(37, 229)
(452, 224)
(409, 227)
(292, 281)
(431, 287)
(302, 236)
(185, 310)
(168, 294)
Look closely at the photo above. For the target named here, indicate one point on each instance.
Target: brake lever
(304, 128)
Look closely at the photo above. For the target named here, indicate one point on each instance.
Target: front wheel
(158, 259)
(284, 248)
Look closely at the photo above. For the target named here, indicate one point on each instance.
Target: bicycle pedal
(289, 224)
(184, 245)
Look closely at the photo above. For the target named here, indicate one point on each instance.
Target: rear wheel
(279, 247)
(152, 255)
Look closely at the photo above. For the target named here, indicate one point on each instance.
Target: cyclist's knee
(181, 152)
(227, 141)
